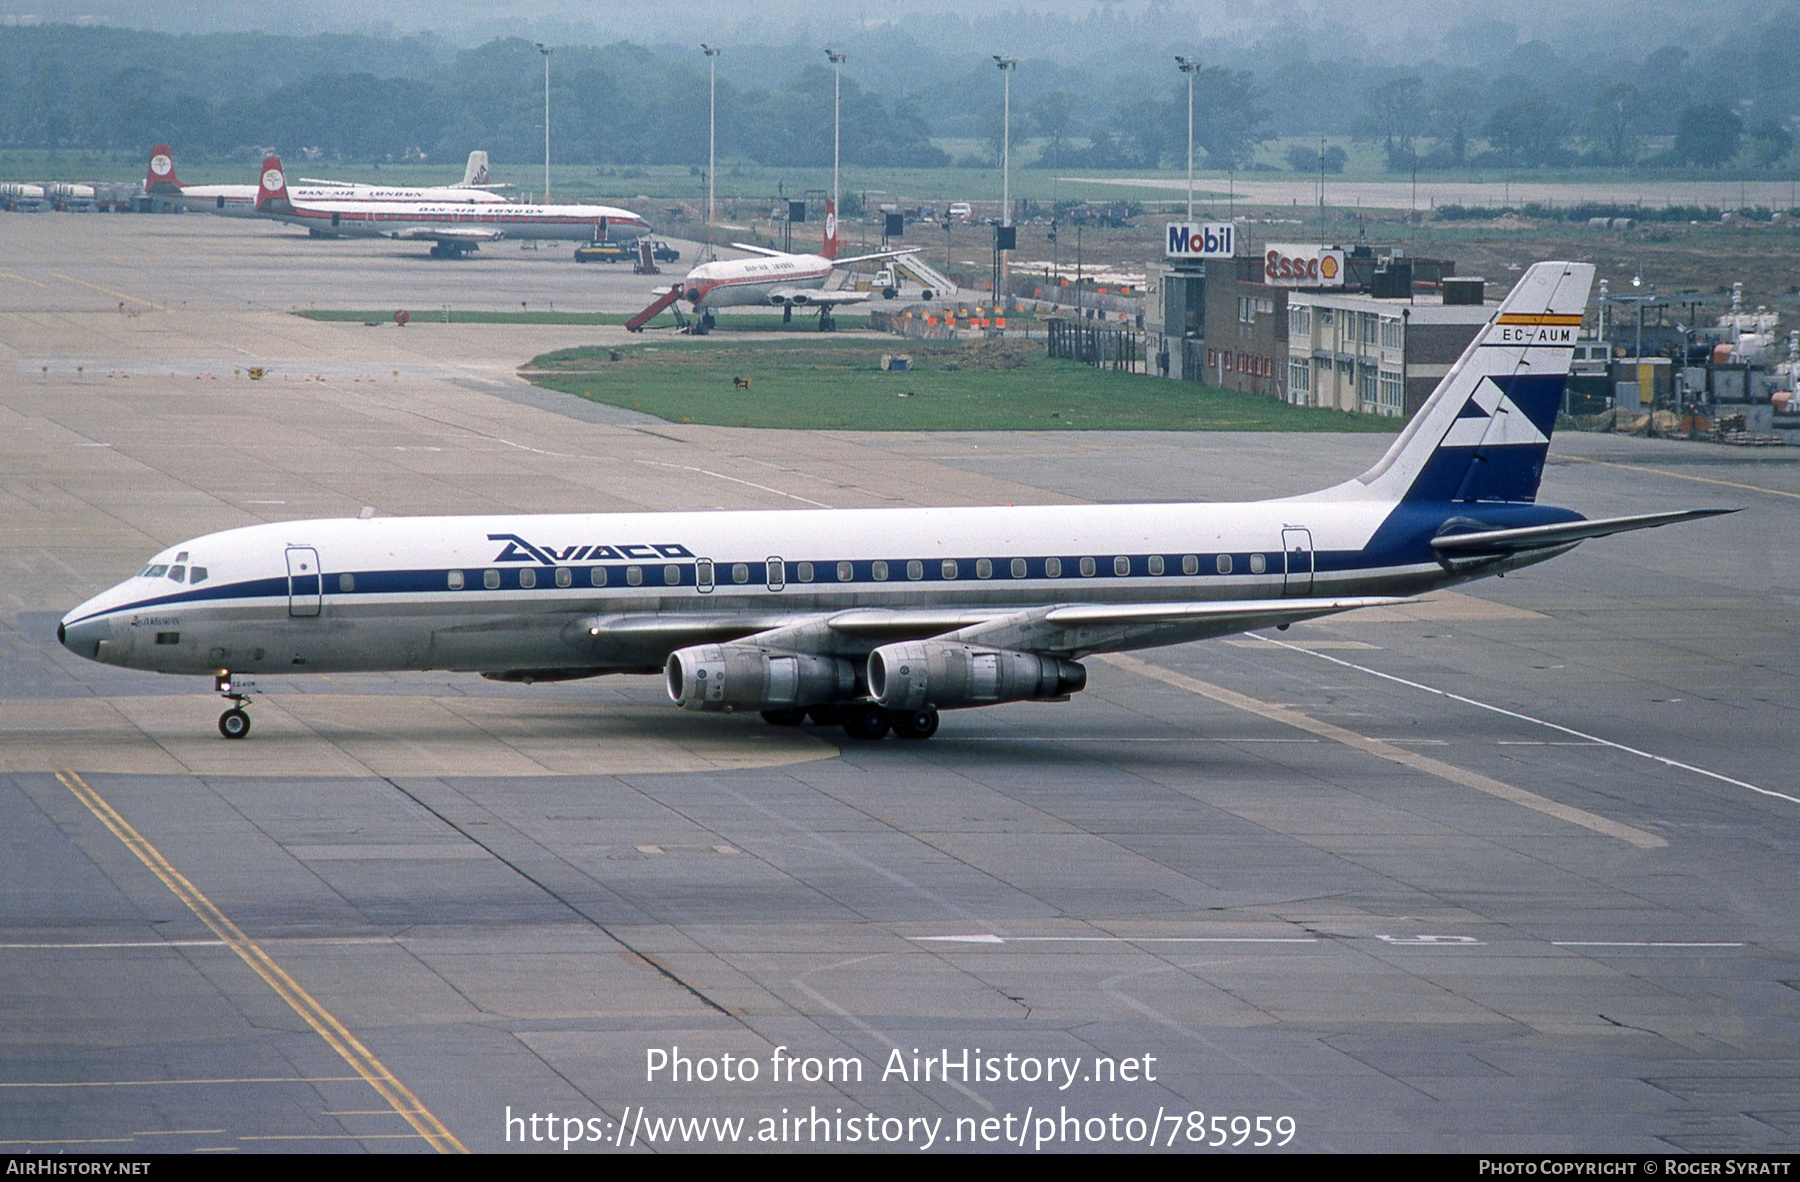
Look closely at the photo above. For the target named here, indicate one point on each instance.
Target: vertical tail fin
(476, 174)
(830, 248)
(271, 188)
(1484, 432)
(160, 178)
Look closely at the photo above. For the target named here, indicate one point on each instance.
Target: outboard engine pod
(726, 677)
(949, 674)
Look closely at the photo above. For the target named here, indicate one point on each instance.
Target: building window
(1393, 393)
(1265, 306)
(1325, 317)
(1370, 327)
(1392, 334)
(1299, 320)
(1246, 310)
(1299, 375)
(1366, 387)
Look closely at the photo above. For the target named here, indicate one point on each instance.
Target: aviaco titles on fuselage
(876, 619)
(161, 181)
(774, 278)
(453, 229)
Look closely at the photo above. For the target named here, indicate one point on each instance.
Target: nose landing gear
(235, 722)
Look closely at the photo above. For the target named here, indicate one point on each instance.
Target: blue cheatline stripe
(824, 576)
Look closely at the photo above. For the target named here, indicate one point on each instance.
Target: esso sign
(1303, 266)
(1213, 240)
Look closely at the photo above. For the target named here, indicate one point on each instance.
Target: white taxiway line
(1555, 726)
(989, 938)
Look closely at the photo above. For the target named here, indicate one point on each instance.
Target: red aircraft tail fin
(271, 188)
(161, 176)
(830, 249)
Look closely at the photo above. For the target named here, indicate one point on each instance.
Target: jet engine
(947, 675)
(724, 677)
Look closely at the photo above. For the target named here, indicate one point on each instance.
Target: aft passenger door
(304, 588)
(1297, 550)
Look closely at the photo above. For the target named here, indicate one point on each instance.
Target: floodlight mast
(1190, 67)
(837, 109)
(712, 127)
(545, 50)
(1006, 65)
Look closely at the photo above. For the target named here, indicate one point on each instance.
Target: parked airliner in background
(240, 200)
(875, 618)
(455, 229)
(774, 278)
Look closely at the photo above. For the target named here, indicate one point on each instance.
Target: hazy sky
(1077, 29)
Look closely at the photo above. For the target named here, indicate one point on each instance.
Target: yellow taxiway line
(334, 1032)
(1387, 751)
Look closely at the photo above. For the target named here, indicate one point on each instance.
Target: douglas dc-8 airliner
(875, 619)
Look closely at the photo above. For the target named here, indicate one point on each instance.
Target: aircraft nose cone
(85, 637)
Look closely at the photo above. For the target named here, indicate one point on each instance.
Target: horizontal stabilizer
(761, 250)
(440, 234)
(1541, 537)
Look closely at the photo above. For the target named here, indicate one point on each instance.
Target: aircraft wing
(870, 258)
(1542, 537)
(809, 296)
(762, 250)
(447, 234)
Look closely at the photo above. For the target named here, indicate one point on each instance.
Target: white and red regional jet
(240, 200)
(774, 279)
(453, 229)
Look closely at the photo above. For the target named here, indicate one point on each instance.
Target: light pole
(1006, 65)
(712, 125)
(837, 79)
(545, 50)
(1190, 67)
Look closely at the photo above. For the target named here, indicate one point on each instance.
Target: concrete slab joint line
(323, 1021)
(1393, 754)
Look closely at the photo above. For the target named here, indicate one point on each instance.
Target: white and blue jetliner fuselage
(876, 618)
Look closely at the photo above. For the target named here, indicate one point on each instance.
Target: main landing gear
(861, 720)
(235, 722)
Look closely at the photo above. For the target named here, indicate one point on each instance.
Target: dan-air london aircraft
(774, 278)
(454, 228)
(240, 200)
(875, 619)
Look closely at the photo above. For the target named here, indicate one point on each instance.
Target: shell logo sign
(1286, 265)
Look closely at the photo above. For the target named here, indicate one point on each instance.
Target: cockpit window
(156, 572)
(196, 574)
(178, 573)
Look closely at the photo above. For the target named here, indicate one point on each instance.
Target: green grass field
(837, 384)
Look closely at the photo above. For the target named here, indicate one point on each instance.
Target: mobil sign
(1207, 240)
(1296, 265)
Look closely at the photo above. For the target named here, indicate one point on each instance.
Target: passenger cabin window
(1018, 568)
(1258, 564)
(846, 572)
(527, 578)
(1190, 564)
(346, 582)
(564, 576)
(1087, 568)
(196, 574)
(1053, 568)
(1223, 564)
(948, 568)
(878, 570)
(634, 576)
(490, 579)
(915, 570)
(178, 573)
(672, 575)
(740, 572)
(455, 579)
(1156, 564)
(984, 569)
(597, 576)
(703, 574)
(1121, 566)
(806, 572)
